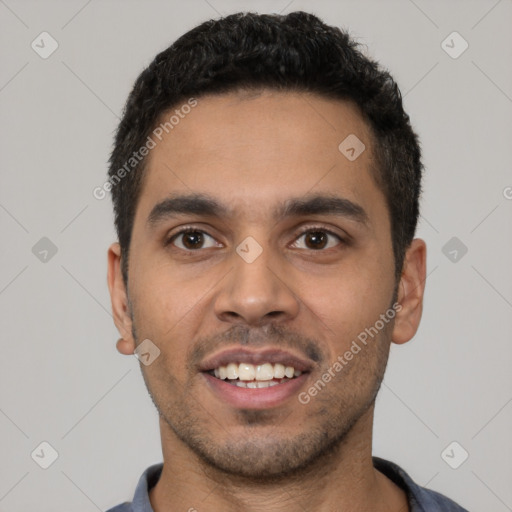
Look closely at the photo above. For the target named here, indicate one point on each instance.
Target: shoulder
(141, 501)
(124, 507)
(420, 499)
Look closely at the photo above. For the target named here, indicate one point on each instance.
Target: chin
(266, 459)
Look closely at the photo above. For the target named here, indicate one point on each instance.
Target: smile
(255, 379)
(247, 375)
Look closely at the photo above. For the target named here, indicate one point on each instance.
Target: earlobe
(124, 347)
(410, 292)
(119, 300)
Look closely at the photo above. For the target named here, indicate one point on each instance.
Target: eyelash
(310, 229)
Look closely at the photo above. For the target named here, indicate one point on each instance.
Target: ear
(119, 300)
(410, 292)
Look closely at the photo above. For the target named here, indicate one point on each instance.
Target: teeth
(267, 384)
(245, 371)
(257, 384)
(255, 374)
(264, 372)
(278, 371)
(232, 371)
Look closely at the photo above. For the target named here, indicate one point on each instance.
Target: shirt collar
(416, 495)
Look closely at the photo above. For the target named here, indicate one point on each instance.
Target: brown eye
(193, 239)
(317, 239)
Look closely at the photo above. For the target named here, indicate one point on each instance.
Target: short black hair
(293, 52)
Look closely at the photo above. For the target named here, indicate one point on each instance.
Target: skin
(252, 153)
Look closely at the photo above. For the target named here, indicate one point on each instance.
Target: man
(266, 181)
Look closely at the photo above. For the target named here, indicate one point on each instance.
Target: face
(259, 254)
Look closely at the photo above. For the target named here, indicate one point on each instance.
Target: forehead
(251, 150)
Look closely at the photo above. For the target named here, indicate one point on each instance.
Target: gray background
(61, 378)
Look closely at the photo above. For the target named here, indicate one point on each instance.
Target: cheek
(171, 307)
(163, 290)
(346, 303)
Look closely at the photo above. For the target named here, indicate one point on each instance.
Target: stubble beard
(264, 453)
(258, 456)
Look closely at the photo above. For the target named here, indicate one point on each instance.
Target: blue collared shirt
(419, 498)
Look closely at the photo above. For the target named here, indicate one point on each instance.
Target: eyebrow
(323, 205)
(191, 204)
(204, 205)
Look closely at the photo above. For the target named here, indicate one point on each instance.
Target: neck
(343, 479)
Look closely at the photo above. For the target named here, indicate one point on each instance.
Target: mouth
(246, 375)
(255, 380)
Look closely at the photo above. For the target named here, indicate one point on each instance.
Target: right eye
(191, 239)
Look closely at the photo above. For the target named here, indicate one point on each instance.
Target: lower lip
(255, 398)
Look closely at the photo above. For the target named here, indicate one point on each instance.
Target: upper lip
(255, 357)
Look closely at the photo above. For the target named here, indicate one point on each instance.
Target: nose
(256, 293)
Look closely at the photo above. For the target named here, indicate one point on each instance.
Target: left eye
(193, 239)
(317, 239)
